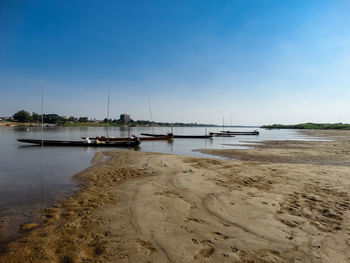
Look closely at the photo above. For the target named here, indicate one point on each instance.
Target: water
(32, 177)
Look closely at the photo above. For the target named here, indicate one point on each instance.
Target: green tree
(72, 118)
(83, 119)
(22, 116)
(36, 117)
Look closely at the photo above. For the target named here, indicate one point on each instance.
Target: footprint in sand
(205, 252)
(218, 234)
(147, 245)
(195, 241)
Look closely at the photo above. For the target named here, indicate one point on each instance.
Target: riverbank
(149, 207)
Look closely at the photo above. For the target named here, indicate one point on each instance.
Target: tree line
(310, 125)
(24, 116)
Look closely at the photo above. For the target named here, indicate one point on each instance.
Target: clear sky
(259, 61)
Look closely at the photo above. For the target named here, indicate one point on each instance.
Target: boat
(179, 136)
(220, 134)
(169, 135)
(240, 132)
(193, 136)
(111, 139)
(86, 143)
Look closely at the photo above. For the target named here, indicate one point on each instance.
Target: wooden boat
(219, 134)
(129, 143)
(111, 139)
(179, 136)
(169, 135)
(240, 132)
(193, 136)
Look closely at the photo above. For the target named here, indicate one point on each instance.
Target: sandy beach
(284, 201)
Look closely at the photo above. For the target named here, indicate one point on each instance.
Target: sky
(248, 62)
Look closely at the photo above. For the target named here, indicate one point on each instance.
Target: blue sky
(260, 62)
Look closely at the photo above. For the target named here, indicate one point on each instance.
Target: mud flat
(149, 207)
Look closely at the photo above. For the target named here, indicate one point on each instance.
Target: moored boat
(179, 136)
(169, 135)
(240, 132)
(111, 139)
(193, 136)
(86, 143)
(219, 134)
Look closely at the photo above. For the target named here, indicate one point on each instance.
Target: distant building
(124, 118)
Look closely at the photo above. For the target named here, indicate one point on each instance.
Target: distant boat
(169, 135)
(86, 143)
(111, 139)
(220, 134)
(179, 136)
(239, 132)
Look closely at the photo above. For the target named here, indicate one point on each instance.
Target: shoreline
(272, 206)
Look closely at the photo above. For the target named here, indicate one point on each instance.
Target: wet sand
(283, 202)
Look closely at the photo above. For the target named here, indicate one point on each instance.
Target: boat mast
(129, 133)
(150, 110)
(42, 145)
(108, 115)
(42, 112)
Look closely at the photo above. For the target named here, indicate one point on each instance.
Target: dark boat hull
(193, 136)
(239, 133)
(131, 143)
(158, 135)
(103, 139)
(223, 135)
(179, 136)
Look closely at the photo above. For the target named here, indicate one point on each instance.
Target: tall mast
(42, 144)
(42, 112)
(150, 110)
(108, 115)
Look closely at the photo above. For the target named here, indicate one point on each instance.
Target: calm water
(32, 178)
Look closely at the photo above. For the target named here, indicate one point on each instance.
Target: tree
(22, 116)
(36, 117)
(72, 118)
(83, 119)
(53, 119)
(105, 120)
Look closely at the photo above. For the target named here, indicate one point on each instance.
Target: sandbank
(282, 202)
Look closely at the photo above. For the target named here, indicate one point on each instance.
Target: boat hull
(193, 136)
(103, 139)
(223, 135)
(238, 133)
(131, 143)
(170, 135)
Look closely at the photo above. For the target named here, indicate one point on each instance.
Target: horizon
(258, 62)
